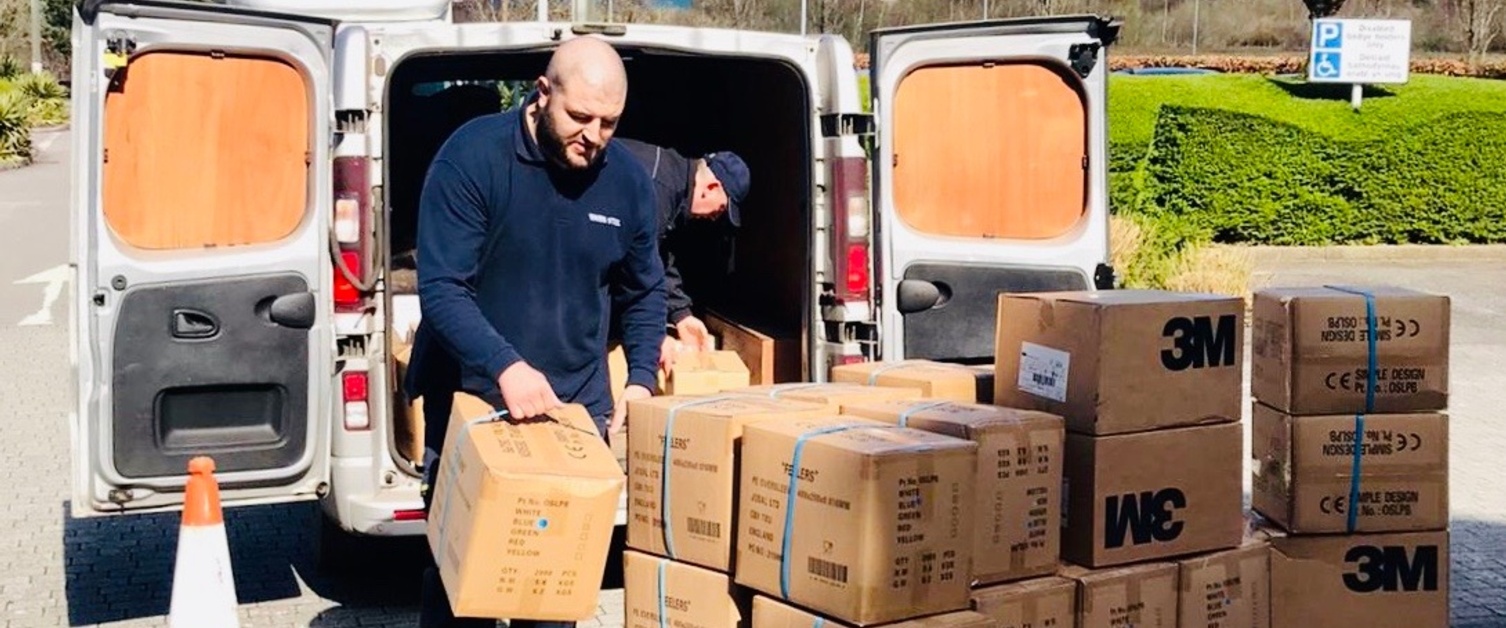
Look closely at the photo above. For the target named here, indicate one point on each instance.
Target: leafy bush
(9, 67)
(15, 130)
(1244, 178)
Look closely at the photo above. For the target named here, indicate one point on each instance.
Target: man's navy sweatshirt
(516, 261)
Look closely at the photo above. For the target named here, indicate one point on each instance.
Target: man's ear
(542, 84)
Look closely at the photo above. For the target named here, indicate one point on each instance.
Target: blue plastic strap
(904, 417)
(663, 613)
(790, 493)
(452, 466)
(669, 437)
(1371, 376)
(874, 375)
(820, 621)
(783, 388)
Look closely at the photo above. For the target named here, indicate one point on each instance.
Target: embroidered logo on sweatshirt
(604, 220)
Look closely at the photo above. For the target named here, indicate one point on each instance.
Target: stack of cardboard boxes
(1351, 452)
(1150, 385)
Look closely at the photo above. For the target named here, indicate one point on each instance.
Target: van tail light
(353, 386)
(850, 230)
(408, 515)
(352, 242)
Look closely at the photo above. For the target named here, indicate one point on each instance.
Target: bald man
(532, 224)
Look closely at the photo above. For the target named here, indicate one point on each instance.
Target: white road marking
(43, 141)
(53, 278)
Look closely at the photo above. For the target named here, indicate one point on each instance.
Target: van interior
(757, 107)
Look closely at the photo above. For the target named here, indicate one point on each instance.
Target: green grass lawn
(1134, 101)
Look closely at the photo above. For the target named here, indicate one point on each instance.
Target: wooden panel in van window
(205, 152)
(989, 151)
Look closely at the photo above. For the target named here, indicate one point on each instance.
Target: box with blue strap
(860, 521)
(523, 513)
(771, 613)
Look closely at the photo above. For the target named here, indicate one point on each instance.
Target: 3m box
(1153, 495)
(1227, 588)
(1373, 580)
(1120, 361)
(523, 513)
(698, 467)
(1142, 596)
(690, 596)
(935, 380)
(832, 395)
(1310, 350)
(1304, 469)
(877, 527)
(1017, 505)
(1049, 602)
(771, 613)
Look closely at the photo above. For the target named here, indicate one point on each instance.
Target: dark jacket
(673, 175)
(518, 261)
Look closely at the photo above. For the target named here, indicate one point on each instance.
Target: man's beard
(554, 147)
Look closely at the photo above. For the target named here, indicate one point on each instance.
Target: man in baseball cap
(709, 187)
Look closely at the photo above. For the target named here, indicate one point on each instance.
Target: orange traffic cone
(203, 585)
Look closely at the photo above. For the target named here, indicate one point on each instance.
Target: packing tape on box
(904, 417)
(1372, 365)
(791, 493)
(669, 437)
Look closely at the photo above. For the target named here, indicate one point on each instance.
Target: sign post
(1360, 51)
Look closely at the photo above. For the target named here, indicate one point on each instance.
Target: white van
(247, 180)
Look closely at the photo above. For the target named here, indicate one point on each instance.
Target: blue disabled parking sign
(1327, 51)
(1325, 65)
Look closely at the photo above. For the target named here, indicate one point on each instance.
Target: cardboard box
(1121, 361)
(879, 530)
(985, 375)
(1142, 596)
(1017, 506)
(691, 597)
(1227, 588)
(1310, 353)
(702, 473)
(1304, 468)
(523, 512)
(706, 373)
(1049, 602)
(407, 416)
(833, 395)
(771, 358)
(771, 613)
(1374, 580)
(935, 380)
(1153, 495)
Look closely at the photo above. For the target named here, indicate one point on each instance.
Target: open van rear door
(200, 234)
(990, 173)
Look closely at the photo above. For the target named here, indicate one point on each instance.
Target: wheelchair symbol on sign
(1326, 65)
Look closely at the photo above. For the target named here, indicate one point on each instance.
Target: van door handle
(194, 324)
(294, 310)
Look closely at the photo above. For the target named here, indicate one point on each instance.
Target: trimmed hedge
(1244, 178)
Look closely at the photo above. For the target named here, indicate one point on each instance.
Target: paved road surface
(59, 571)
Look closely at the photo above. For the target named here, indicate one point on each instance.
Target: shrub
(1243, 178)
(15, 129)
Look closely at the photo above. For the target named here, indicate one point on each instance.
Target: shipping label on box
(688, 596)
(875, 526)
(688, 445)
(1142, 596)
(1227, 588)
(772, 613)
(1398, 580)
(1049, 602)
(523, 512)
(1310, 350)
(1153, 495)
(833, 395)
(935, 380)
(1304, 476)
(1017, 505)
(1121, 361)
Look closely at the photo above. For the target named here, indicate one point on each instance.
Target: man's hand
(693, 332)
(526, 391)
(668, 352)
(619, 415)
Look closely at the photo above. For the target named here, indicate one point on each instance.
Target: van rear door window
(993, 150)
(205, 150)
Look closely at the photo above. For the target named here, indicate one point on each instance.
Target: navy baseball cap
(733, 174)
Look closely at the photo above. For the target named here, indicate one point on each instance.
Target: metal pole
(985, 9)
(580, 10)
(803, 17)
(1196, 5)
(543, 6)
(36, 36)
(1356, 95)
